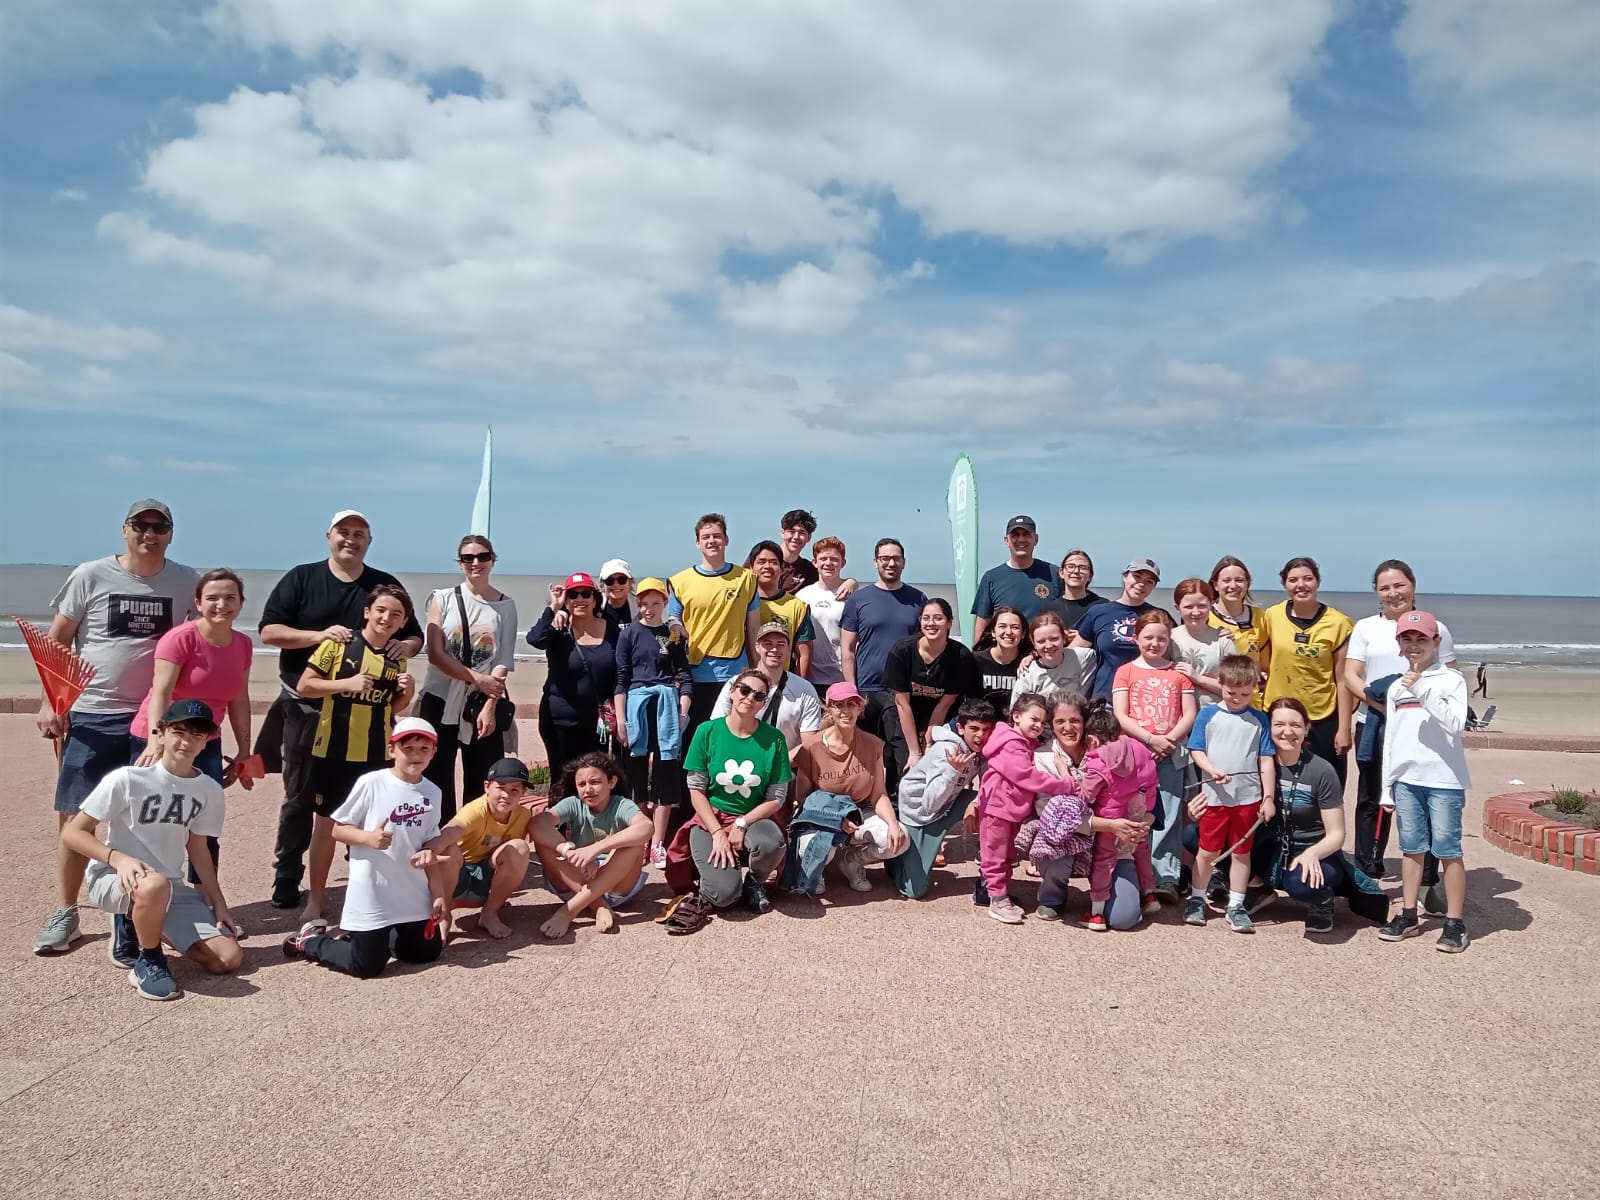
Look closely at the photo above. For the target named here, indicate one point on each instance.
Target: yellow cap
(650, 584)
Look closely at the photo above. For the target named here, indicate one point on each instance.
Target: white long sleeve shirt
(1422, 737)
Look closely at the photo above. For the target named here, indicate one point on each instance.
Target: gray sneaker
(60, 931)
(1239, 921)
(854, 871)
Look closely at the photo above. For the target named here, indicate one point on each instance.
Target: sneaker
(1433, 900)
(822, 887)
(1319, 917)
(658, 856)
(1400, 927)
(123, 946)
(315, 925)
(1006, 910)
(1194, 911)
(1094, 923)
(1150, 905)
(153, 981)
(980, 894)
(1258, 896)
(1168, 892)
(294, 946)
(1045, 913)
(1239, 920)
(755, 896)
(854, 871)
(1454, 938)
(1217, 891)
(286, 896)
(60, 931)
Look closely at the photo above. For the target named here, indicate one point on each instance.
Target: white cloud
(69, 195)
(189, 466)
(992, 338)
(34, 332)
(118, 462)
(617, 162)
(1559, 296)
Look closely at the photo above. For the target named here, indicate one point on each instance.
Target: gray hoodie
(928, 789)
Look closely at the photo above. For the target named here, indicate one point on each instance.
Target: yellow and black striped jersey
(355, 729)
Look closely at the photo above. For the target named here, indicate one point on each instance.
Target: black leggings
(563, 743)
(365, 953)
(664, 785)
(1323, 731)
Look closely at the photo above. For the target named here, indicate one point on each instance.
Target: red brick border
(1510, 823)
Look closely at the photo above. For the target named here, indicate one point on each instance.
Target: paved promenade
(870, 1048)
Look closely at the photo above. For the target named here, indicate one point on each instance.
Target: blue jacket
(814, 831)
(1370, 746)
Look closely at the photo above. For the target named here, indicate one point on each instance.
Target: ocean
(1507, 631)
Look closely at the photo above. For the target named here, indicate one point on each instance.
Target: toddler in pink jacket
(1005, 798)
(1119, 778)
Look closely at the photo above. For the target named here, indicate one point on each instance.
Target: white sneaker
(1005, 910)
(854, 871)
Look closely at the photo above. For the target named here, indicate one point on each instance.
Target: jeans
(477, 756)
(96, 744)
(911, 870)
(1372, 823)
(1166, 843)
(1429, 819)
(763, 851)
(1335, 875)
(366, 952)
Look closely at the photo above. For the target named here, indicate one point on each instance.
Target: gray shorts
(189, 917)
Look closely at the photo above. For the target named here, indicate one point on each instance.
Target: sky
(1184, 278)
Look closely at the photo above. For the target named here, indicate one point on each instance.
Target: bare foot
(605, 921)
(491, 924)
(557, 925)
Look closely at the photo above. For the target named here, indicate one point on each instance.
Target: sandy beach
(1529, 700)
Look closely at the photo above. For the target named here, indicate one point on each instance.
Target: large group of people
(744, 727)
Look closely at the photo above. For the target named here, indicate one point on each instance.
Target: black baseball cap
(508, 770)
(189, 712)
(1020, 522)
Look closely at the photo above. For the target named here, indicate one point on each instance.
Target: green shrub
(1570, 801)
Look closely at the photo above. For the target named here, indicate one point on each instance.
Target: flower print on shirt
(739, 777)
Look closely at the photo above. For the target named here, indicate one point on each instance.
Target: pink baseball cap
(1417, 621)
(839, 692)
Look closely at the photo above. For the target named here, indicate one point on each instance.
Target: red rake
(62, 672)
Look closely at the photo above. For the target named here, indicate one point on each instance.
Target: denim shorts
(1429, 819)
(96, 745)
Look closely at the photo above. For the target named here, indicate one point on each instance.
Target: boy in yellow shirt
(490, 835)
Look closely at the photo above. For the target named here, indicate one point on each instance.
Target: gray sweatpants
(763, 853)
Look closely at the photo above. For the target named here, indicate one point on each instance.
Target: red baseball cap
(579, 579)
(1417, 621)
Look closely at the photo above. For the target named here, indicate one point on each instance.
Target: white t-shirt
(1075, 674)
(149, 813)
(494, 641)
(826, 612)
(385, 889)
(799, 711)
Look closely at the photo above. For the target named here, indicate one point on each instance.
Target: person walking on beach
(1483, 681)
(112, 611)
(875, 618)
(1021, 582)
(315, 602)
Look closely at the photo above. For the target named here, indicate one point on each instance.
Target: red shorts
(1221, 827)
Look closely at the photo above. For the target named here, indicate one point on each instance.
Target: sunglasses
(150, 526)
(476, 558)
(744, 689)
(616, 580)
(580, 594)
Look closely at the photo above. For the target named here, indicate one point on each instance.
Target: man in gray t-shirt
(112, 611)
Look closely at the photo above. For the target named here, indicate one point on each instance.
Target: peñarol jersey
(1302, 657)
(355, 729)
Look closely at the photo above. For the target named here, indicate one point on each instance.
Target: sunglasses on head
(616, 580)
(150, 526)
(580, 594)
(744, 689)
(485, 556)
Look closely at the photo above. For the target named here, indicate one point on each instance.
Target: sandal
(670, 907)
(694, 913)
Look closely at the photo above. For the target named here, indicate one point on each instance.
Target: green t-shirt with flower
(738, 770)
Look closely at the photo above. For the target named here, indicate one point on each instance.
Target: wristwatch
(740, 824)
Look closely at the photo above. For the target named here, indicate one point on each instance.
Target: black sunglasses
(616, 580)
(747, 690)
(151, 526)
(486, 556)
(580, 594)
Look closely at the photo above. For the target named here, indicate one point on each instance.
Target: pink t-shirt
(212, 674)
(1155, 695)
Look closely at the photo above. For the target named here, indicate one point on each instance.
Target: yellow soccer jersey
(713, 609)
(1302, 659)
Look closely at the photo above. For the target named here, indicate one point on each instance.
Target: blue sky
(1184, 278)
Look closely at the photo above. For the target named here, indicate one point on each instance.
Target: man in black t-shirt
(313, 602)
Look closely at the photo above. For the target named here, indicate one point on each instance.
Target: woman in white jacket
(1425, 775)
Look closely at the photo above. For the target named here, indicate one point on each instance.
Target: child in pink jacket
(1005, 798)
(1119, 780)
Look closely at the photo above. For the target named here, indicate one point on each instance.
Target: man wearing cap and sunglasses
(111, 611)
(315, 602)
(1022, 581)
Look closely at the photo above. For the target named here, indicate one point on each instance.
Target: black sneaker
(124, 947)
(980, 894)
(1319, 917)
(1454, 938)
(1400, 927)
(286, 895)
(1257, 896)
(1217, 891)
(755, 896)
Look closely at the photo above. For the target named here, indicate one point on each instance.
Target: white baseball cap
(615, 566)
(413, 727)
(344, 514)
